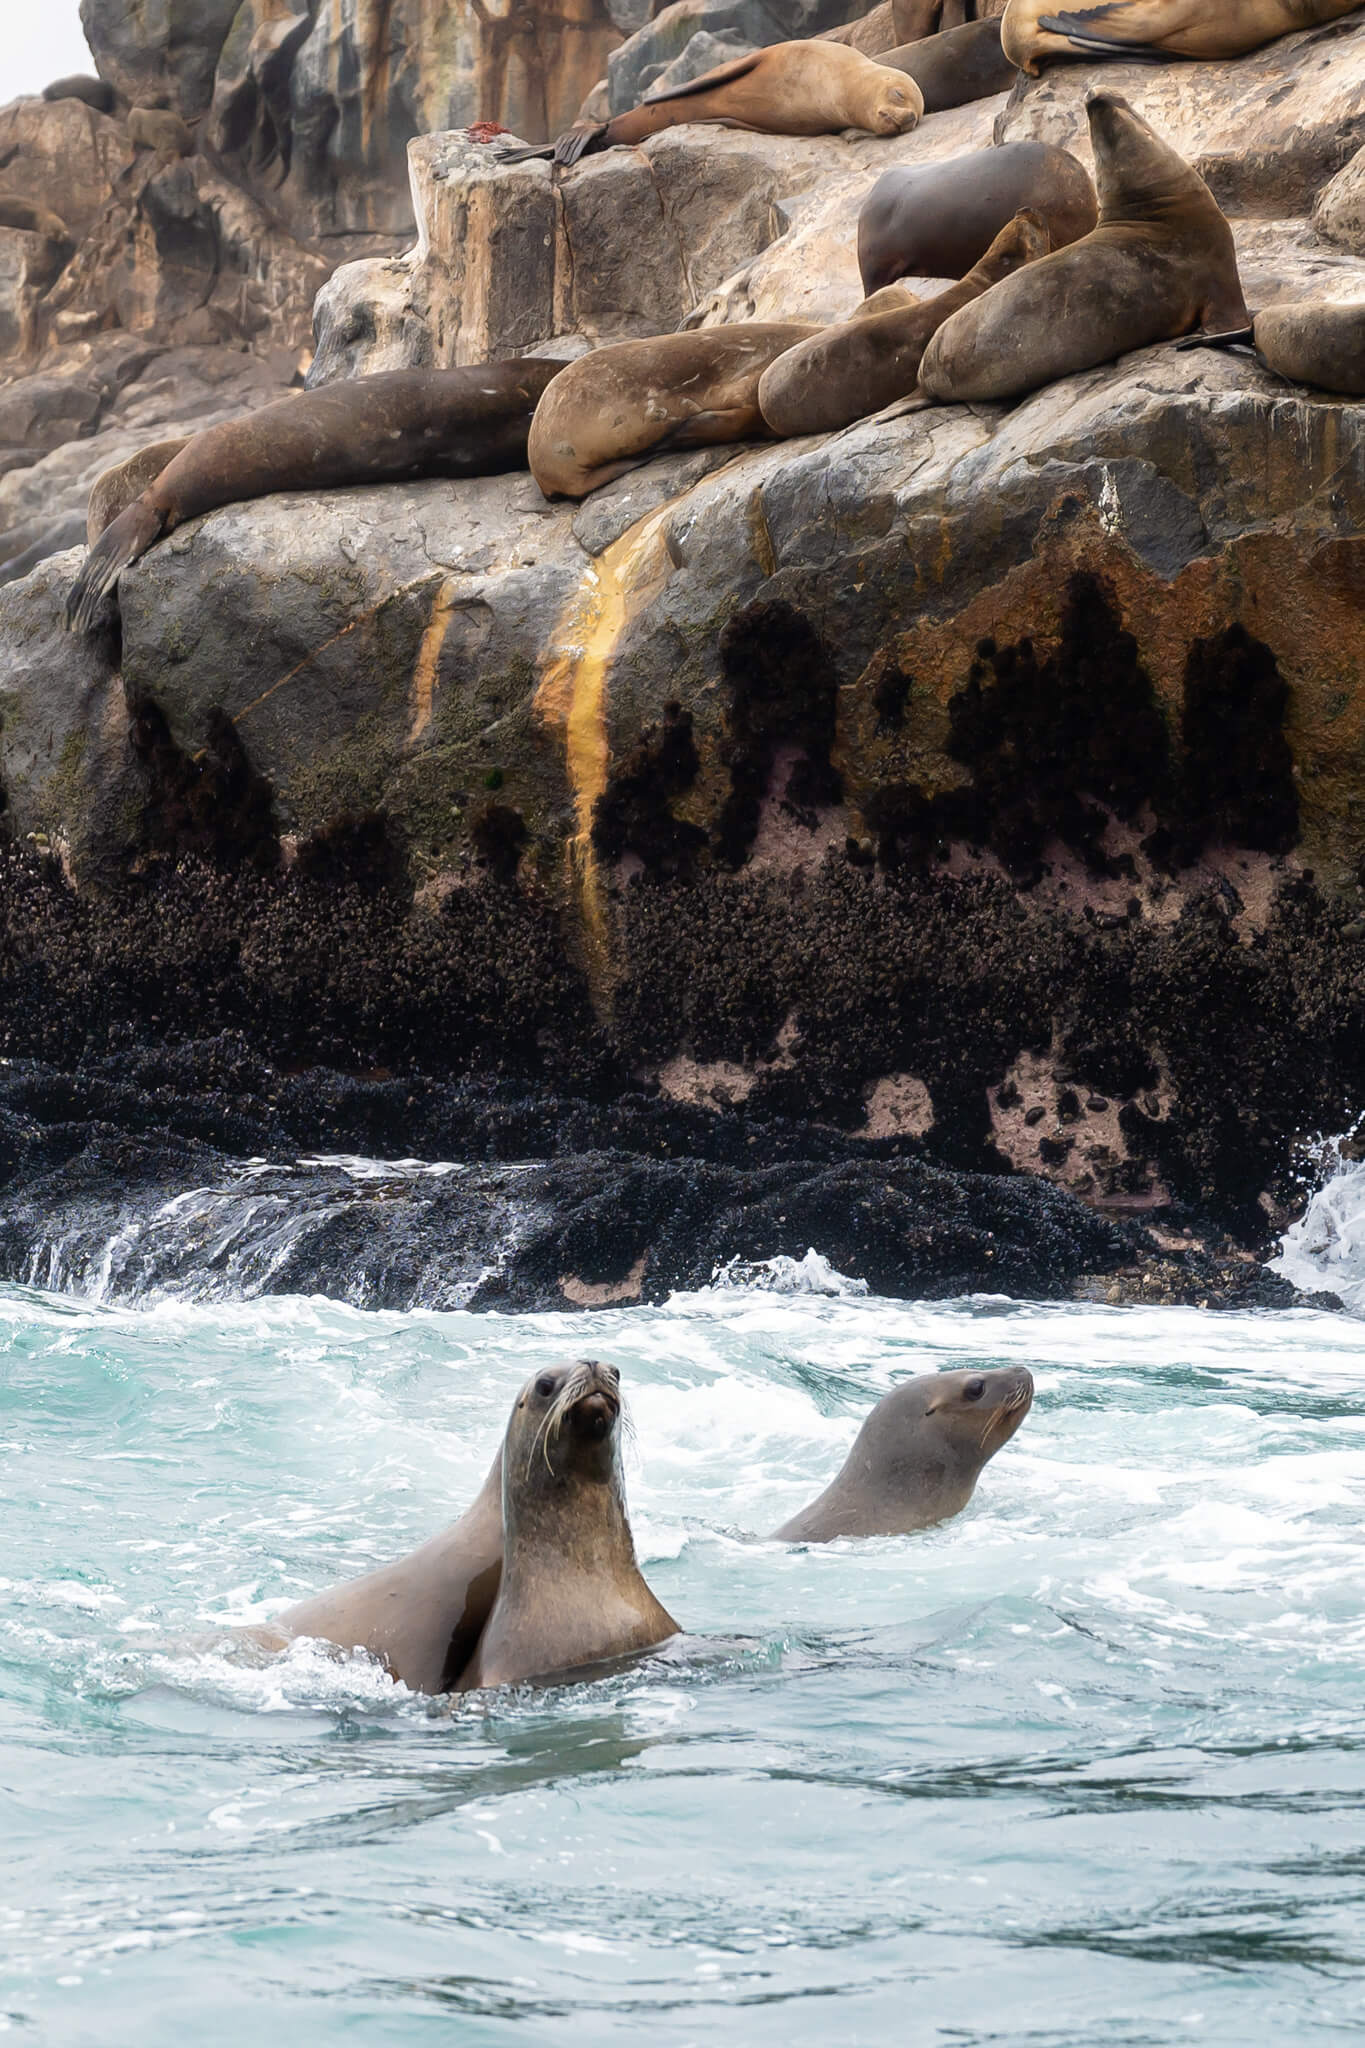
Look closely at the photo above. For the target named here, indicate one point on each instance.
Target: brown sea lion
(957, 66)
(1160, 263)
(571, 1593)
(808, 88)
(33, 220)
(611, 410)
(938, 219)
(116, 487)
(1034, 30)
(422, 1616)
(380, 429)
(1310, 341)
(917, 1458)
(845, 372)
(159, 129)
(895, 22)
(80, 86)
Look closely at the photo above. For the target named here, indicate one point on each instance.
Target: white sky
(39, 41)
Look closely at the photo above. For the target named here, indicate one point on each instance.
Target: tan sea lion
(611, 410)
(956, 66)
(845, 372)
(1033, 30)
(422, 1616)
(116, 487)
(938, 219)
(159, 129)
(571, 1594)
(380, 429)
(917, 1458)
(1310, 341)
(807, 88)
(1160, 263)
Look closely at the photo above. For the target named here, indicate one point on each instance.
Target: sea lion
(422, 1616)
(1033, 30)
(938, 219)
(611, 410)
(956, 66)
(894, 23)
(917, 1458)
(806, 88)
(116, 487)
(571, 1593)
(34, 220)
(396, 424)
(844, 373)
(159, 129)
(1160, 263)
(80, 86)
(1309, 341)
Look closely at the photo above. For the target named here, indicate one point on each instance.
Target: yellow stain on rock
(427, 664)
(572, 695)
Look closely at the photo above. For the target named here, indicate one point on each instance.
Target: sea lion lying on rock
(804, 88)
(571, 1595)
(1309, 341)
(956, 67)
(380, 429)
(917, 1458)
(1034, 30)
(845, 372)
(938, 219)
(1160, 263)
(611, 410)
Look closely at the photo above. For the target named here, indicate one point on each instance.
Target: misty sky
(41, 40)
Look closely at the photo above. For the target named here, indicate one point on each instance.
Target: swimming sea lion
(807, 88)
(916, 1459)
(938, 219)
(422, 1616)
(845, 372)
(80, 86)
(956, 66)
(116, 487)
(611, 410)
(1160, 263)
(571, 1593)
(1033, 30)
(398, 423)
(1309, 341)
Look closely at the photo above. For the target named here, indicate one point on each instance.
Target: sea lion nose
(595, 1413)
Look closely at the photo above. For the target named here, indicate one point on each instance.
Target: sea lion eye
(545, 1385)
(973, 1390)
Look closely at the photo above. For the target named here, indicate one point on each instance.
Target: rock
(1339, 214)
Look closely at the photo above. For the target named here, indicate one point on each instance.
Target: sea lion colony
(1147, 259)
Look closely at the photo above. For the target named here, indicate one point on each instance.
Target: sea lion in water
(938, 219)
(845, 372)
(611, 410)
(396, 424)
(957, 66)
(1310, 341)
(571, 1593)
(1033, 30)
(808, 88)
(916, 1459)
(422, 1616)
(1160, 263)
(116, 487)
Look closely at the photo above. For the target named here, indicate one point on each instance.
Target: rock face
(982, 783)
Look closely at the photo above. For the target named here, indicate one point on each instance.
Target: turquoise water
(1086, 1765)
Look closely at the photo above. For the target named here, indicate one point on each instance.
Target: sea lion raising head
(571, 1593)
(1034, 30)
(917, 1457)
(1160, 264)
(803, 88)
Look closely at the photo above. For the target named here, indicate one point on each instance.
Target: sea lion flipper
(723, 74)
(136, 529)
(576, 142)
(1231, 337)
(1090, 41)
(526, 152)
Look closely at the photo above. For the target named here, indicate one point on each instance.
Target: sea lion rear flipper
(1231, 337)
(526, 152)
(738, 67)
(136, 529)
(576, 142)
(1084, 32)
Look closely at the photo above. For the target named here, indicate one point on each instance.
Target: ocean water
(1085, 1765)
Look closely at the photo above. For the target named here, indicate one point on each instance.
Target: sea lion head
(565, 1430)
(1137, 175)
(899, 105)
(954, 1422)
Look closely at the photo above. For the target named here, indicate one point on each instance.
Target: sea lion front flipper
(138, 527)
(738, 67)
(1090, 41)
